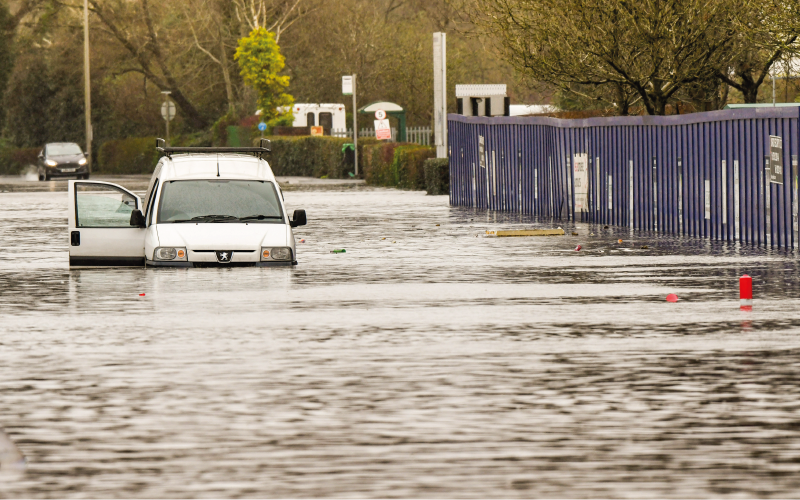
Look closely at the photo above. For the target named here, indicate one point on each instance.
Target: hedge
(396, 164)
(134, 155)
(437, 176)
(15, 161)
(309, 156)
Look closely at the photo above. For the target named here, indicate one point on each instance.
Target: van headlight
(50, 163)
(170, 253)
(82, 161)
(276, 253)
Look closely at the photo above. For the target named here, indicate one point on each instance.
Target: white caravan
(327, 116)
(204, 207)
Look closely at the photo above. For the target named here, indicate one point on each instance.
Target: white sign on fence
(708, 200)
(383, 130)
(610, 195)
(581, 174)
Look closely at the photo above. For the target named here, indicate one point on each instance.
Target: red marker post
(746, 293)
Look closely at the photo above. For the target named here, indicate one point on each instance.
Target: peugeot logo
(224, 256)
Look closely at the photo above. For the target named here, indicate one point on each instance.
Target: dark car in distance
(62, 159)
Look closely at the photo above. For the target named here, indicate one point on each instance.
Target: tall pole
(440, 93)
(87, 93)
(355, 123)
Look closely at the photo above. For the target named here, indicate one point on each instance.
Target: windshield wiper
(208, 218)
(261, 217)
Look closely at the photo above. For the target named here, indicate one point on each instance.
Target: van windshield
(219, 201)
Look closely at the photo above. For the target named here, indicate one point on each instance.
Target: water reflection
(429, 363)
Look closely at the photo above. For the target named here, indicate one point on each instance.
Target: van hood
(222, 236)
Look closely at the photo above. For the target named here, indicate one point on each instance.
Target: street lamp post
(87, 85)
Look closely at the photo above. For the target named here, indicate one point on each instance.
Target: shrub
(407, 166)
(437, 176)
(134, 155)
(396, 164)
(14, 161)
(312, 156)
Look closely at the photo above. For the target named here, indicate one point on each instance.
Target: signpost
(262, 127)
(349, 88)
(168, 111)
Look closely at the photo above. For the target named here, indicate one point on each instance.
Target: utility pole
(87, 93)
(349, 88)
(440, 93)
(355, 123)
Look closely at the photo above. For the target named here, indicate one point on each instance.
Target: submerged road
(427, 360)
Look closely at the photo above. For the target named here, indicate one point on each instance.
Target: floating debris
(339, 250)
(527, 232)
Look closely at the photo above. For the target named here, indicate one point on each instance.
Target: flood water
(426, 361)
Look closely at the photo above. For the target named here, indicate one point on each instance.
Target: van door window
(98, 205)
(310, 121)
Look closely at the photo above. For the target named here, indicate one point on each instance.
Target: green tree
(260, 62)
(6, 51)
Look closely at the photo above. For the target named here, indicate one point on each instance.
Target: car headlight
(50, 163)
(82, 161)
(276, 253)
(170, 253)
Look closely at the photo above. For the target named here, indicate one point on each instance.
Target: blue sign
(262, 126)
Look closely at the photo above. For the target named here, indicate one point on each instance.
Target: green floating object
(339, 250)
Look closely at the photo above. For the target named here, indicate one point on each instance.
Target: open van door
(100, 231)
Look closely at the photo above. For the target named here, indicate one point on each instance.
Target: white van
(327, 116)
(204, 207)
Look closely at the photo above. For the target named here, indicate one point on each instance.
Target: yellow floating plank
(527, 232)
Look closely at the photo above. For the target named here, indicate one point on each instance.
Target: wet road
(434, 362)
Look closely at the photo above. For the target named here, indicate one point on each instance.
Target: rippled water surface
(427, 360)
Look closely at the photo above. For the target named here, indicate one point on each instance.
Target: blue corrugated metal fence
(702, 174)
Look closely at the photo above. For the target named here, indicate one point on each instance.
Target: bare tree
(654, 47)
(131, 24)
(275, 15)
(767, 31)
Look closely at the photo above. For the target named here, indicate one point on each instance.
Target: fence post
(630, 196)
(794, 200)
(736, 234)
(655, 196)
(680, 196)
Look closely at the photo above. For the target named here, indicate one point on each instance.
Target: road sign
(317, 130)
(262, 126)
(380, 114)
(347, 85)
(383, 130)
(775, 159)
(168, 110)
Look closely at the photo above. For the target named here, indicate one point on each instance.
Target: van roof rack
(265, 146)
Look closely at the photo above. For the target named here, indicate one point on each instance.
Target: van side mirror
(298, 219)
(137, 218)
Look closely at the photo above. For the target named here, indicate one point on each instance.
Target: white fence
(419, 135)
